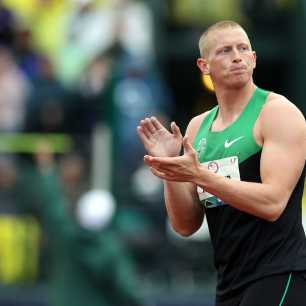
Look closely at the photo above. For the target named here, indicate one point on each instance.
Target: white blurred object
(82, 2)
(91, 29)
(130, 22)
(14, 88)
(95, 209)
(137, 29)
(146, 185)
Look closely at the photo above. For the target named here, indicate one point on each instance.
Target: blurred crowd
(81, 219)
(69, 70)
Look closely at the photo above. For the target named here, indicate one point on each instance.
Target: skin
(230, 63)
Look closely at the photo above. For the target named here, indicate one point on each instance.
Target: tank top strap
(206, 123)
(254, 107)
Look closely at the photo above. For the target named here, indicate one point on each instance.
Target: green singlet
(246, 248)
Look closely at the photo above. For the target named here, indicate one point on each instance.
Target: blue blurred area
(75, 68)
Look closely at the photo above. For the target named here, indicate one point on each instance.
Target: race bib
(227, 167)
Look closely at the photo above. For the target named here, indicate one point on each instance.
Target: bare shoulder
(194, 125)
(278, 105)
(281, 116)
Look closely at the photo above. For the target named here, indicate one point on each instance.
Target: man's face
(230, 60)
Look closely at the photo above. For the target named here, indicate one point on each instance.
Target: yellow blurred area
(207, 82)
(206, 11)
(47, 19)
(25, 9)
(44, 18)
(19, 253)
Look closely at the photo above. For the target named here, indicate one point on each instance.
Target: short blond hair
(221, 25)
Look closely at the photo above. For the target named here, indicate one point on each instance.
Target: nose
(236, 56)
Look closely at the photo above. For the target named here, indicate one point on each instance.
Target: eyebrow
(222, 47)
(231, 45)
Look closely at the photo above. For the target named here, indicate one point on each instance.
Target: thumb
(187, 145)
(176, 130)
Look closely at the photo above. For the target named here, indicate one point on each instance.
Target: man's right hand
(157, 140)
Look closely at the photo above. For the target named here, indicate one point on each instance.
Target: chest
(241, 142)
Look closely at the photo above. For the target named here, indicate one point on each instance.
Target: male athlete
(242, 167)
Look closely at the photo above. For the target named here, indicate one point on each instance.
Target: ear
(255, 59)
(203, 65)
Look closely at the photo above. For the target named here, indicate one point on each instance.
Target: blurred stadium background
(76, 76)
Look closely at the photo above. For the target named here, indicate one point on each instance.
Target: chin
(238, 82)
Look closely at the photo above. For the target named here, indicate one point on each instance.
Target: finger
(187, 145)
(143, 133)
(145, 141)
(149, 125)
(161, 162)
(158, 173)
(148, 160)
(162, 175)
(145, 128)
(156, 123)
(176, 130)
(152, 162)
(166, 176)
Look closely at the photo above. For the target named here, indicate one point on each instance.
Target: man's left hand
(183, 168)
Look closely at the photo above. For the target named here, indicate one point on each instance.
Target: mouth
(239, 69)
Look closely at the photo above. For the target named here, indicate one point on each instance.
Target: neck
(232, 102)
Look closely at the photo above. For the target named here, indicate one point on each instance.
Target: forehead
(228, 36)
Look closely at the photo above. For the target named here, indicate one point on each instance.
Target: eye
(224, 50)
(244, 48)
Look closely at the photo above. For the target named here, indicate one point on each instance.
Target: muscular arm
(283, 157)
(183, 208)
(283, 132)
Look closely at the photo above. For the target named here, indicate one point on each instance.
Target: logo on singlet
(228, 144)
(202, 145)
